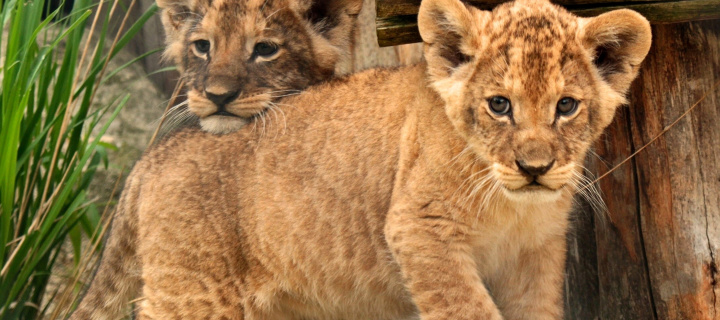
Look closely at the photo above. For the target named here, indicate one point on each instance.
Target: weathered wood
(624, 290)
(581, 296)
(679, 175)
(397, 30)
(664, 12)
(391, 8)
(397, 21)
(656, 251)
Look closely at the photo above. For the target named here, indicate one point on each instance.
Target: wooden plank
(624, 290)
(581, 292)
(391, 8)
(667, 12)
(399, 29)
(678, 174)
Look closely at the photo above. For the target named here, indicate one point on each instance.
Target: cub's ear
(618, 42)
(174, 13)
(448, 28)
(327, 15)
(334, 22)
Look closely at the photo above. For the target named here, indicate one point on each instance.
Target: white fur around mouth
(224, 114)
(222, 124)
(532, 194)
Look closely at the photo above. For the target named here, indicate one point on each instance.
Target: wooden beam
(397, 20)
(392, 8)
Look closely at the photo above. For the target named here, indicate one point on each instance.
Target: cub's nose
(221, 99)
(534, 169)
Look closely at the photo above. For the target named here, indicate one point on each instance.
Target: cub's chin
(222, 124)
(533, 194)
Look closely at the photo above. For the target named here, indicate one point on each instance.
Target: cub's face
(238, 56)
(531, 87)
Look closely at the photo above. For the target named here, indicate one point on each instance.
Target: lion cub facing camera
(239, 57)
(440, 190)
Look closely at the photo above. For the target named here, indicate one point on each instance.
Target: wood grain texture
(581, 292)
(656, 251)
(624, 290)
(678, 176)
(397, 30)
(391, 8)
(397, 21)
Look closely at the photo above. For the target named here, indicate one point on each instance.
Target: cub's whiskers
(273, 107)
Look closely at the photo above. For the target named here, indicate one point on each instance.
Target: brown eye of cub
(202, 46)
(500, 105)
(567, 106)
(264, 49)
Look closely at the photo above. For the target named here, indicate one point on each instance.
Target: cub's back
(347, 117)
(302, 196)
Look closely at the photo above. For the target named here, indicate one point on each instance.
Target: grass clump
(50, 148)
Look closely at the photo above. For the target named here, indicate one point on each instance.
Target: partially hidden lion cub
(238, 58)
(438, 191)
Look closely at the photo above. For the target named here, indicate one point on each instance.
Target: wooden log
(392, 8)
(397, 21)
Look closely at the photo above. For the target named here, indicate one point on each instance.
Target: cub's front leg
(434, 255)
(190, 246)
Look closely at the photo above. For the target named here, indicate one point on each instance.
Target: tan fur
(393, 194)
(312, 37)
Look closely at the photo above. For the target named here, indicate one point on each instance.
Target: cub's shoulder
(370, 81)
(191, 147)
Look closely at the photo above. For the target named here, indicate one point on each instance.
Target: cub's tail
(117, 279)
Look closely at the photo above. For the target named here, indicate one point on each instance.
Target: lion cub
(239, 57)
(440, 190)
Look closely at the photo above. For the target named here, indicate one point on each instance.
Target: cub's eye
(264, 49)
(202, 46)
(500, 105)
(567, 106)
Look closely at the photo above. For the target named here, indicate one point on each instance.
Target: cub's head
(237, 56)
(531, 86)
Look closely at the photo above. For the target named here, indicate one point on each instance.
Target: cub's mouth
(223, 122)
(230, 116)
(224, 113)
(533, 186)
(534, 183)
(532, 193)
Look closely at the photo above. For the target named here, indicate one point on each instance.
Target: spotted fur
(394, 194)
(311, 38)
